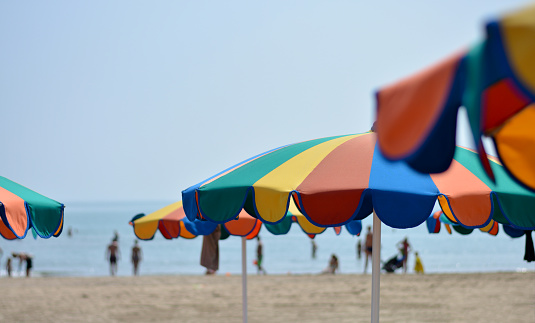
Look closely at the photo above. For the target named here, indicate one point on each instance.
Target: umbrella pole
(244, 277)
(376, 267)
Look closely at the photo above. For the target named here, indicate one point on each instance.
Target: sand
(489, 297)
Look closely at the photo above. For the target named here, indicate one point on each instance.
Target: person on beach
(136, 256)
(418, 266)
(359, 249)
(18, 255)
(333, 265)
(8, 267)
(24, 257)
(29, 264)
(259, 256)
(404, 247)
(112, 254)
(368, 246)
(314, 249)
(210, 251)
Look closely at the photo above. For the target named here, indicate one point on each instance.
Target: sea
(83, 253)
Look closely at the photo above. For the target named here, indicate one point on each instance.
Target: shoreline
(66, 274)
(473, 297)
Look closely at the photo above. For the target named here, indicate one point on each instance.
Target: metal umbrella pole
(376, 267)
(244, 277)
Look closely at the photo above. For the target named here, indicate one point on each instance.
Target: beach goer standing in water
(404, 247)
(368, 247)
(29, 264)
(24, 257)
(8, 266)
(359, 249)
(112, 254)
(418, 266)
(259, 256)
(136, 257)
(21, 258)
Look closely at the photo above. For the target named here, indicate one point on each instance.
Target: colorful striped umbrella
(338, 179)
(173, 223)
(494, 80)
(436, 219)
(22, 209)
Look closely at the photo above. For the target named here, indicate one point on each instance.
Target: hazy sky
(138, 100)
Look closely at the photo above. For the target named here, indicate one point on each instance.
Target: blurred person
(418, 266)
(112, 254)
(8, 267)
(259, 256)
(368, 246)
(21, 257)
(136, 256)
(333, 265)
(404, 247)
(29, 264)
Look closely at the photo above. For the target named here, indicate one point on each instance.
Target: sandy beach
(489, 297)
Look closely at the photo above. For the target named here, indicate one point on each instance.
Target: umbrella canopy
(494, 80)
(173, 223)
(338, 179)
(22, 209)
(436, 219)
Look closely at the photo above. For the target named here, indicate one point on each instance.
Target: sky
(138, 100)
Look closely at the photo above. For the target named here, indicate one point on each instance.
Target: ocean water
(93, 225)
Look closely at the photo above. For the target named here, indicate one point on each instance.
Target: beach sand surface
(485, 297)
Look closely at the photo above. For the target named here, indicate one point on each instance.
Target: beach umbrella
(436, 219)
(336, 180)
(494, 80)
(172, 223)
(22, 209)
